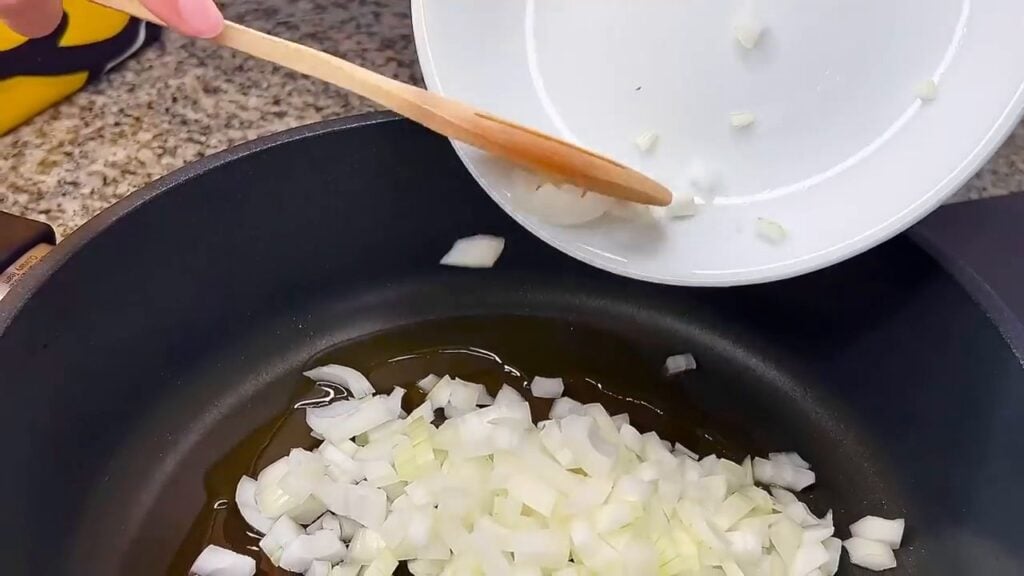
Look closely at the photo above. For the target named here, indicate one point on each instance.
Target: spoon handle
(519, 144)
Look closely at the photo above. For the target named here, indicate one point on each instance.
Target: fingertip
(32, 20)
(200, 18)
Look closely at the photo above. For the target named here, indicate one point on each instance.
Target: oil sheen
(596, 366)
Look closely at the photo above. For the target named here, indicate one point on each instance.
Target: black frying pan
(167, 329)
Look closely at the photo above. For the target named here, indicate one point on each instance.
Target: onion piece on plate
(770, 231)
(480, 251)
(746, 26)
(702, 177)
(646, 141)
(683, 204)
(741, 119)
(927, 90)
(564, 205)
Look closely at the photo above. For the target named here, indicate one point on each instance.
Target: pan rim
(1010, 327)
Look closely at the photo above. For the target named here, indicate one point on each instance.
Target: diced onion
(927, 90)
(683, 204)
(489, 492)
(217, 561)
(741, 119)
(869, 554)
(245, 499)
(365, 546)
(783, 475)
(834, 547)
(319, 568)
(746, 26)
(361, 502)
(889, 532)
(646, 141)
(638, 213)
(507, 395)
(427, 382)
(790, 458)
(564, 205)
(546, 387)
(281, 534)
(299, 554)
(809, 556)
(770, 231)
(480, 251)
(680, 363)
(273, 501)
(565, 406)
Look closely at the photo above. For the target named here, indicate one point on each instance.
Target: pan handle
(23, 243)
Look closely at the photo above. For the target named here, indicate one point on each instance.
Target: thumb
(31, 18)
(200, 18)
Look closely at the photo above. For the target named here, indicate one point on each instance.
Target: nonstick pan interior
(177, 322)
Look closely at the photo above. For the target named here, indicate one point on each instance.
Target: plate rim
(980, 155)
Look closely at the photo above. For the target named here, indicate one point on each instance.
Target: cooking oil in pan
(596, 366)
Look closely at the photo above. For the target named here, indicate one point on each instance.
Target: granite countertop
(183, 99)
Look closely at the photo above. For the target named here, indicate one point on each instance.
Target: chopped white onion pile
(646, 141)
(488, 492)
(927, 90)
(770, 231)
(746, 26)
(741, 119)
(480, 251)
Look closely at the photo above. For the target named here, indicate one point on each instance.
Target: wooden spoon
(519, 144)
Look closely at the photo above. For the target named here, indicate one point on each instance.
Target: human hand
(36, 18)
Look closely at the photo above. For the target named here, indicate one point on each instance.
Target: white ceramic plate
(843, 154)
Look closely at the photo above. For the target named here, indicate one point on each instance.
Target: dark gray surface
(982, 244)
(151, 340)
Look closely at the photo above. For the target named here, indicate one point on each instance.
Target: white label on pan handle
(12, 275)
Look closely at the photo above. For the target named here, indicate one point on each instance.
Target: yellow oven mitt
(36, 74)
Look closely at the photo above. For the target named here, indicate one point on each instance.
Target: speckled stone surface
(183, 99)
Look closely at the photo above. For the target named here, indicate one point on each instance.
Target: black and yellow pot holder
(35, 74)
